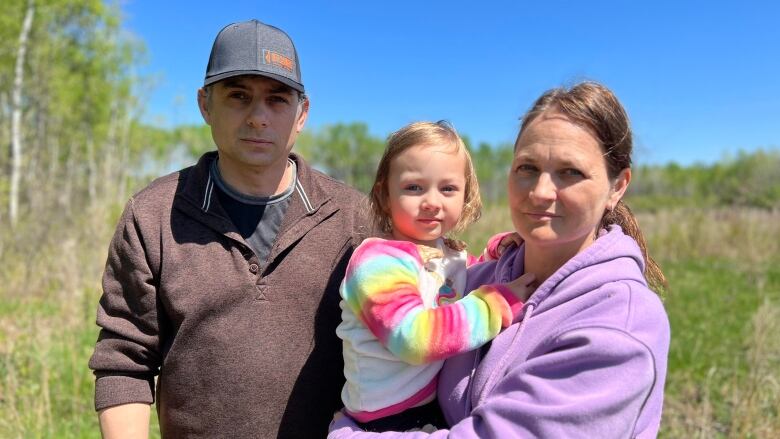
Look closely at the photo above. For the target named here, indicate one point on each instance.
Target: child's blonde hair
(423, 133)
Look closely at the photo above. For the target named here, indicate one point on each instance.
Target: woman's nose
(544, 189)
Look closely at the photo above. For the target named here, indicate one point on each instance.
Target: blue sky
(700, 79)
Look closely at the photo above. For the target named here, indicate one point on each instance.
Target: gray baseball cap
(254, 48)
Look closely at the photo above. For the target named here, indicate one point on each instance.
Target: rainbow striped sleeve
(381, 289)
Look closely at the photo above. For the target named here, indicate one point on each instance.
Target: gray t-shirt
(257, 218)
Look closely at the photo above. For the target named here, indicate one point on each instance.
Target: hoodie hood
(613, 248)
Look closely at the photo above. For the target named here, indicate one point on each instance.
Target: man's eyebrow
(234, 83)
(281, 88)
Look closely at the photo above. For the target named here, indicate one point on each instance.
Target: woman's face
(558, 184)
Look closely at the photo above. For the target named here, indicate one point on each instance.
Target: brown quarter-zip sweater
(239, 352)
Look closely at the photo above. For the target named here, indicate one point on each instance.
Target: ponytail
(622, 216)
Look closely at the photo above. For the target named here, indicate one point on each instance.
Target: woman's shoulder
(624, 306)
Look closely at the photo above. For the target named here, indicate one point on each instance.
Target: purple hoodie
(586, 357)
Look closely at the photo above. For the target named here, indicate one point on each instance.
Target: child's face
(426, 189)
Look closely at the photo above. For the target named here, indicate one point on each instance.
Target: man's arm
(126, 356)
(127, 421)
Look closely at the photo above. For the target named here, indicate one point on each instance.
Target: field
(723, 267)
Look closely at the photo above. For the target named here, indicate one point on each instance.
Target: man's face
(254, 121)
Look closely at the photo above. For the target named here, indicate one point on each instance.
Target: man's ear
(203, 105)
(304, 114)
(619, 187)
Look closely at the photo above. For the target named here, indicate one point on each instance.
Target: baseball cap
(254, 48)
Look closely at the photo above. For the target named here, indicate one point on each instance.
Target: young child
(403, 307)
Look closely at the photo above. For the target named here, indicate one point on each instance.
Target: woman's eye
(571, 172)
(525, 168)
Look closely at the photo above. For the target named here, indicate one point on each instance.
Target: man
(223, 277)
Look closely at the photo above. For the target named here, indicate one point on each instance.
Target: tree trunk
(16, 115)
(91, 168)
(123, 145)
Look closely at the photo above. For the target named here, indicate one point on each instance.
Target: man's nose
(258, 115)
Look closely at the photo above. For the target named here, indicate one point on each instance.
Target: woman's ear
(619, 187)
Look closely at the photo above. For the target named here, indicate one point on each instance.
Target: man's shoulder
(162, 189)
(335, 186)
(189, 181)
(338, 191)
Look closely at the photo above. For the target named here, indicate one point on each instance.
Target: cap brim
(286, 81)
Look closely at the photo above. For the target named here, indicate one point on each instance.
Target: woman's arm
(381, 289)
(590, 382)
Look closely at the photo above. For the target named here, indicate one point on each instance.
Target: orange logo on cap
(277, 59)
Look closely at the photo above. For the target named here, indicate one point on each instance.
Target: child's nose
(431, 202)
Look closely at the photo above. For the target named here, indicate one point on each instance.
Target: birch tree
(16, 114)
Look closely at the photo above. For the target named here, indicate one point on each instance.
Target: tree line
(348, 152)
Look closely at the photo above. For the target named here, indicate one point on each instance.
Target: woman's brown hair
(595, 107)
(423, 133)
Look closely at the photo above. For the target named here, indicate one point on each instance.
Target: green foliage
(195, 139)
(749, 179)
(492, 166)
(78, 104)
(347, 152)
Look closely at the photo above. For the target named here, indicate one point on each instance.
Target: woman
(587, 355)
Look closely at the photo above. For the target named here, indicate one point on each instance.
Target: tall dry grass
(50, 273)
(744, 236)
(723, 304)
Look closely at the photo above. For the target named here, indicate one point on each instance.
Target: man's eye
(278, 99)
(241, 96)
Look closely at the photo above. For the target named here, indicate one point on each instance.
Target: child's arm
(381, 289)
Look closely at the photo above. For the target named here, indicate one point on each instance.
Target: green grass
(711, 305)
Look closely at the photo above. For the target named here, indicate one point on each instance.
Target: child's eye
(412, 188)
(449, 188)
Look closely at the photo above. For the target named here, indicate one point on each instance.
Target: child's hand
(507, 241)
(498, 244)
(523, 286)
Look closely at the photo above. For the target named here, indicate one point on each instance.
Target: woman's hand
(523, 286)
